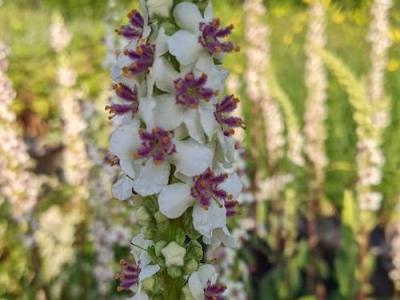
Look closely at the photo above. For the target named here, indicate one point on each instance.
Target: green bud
(143, 217)
(160, 218)
(148, 284)
(187, 295)
(174, 272)
(174, 255)
(191, 266)
(148, 233)
(195, 250)
(159, 246)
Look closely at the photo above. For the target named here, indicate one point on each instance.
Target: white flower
(191, 96)
(146, 155)
(159, 7)
(203, 284)
(209, 193)
(220, 236)
(133, 274)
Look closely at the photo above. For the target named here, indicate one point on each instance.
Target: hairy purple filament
(129, 275)
(213, 37)
(134, 29)
(128, 95)
(214, 291)
(190, 90)
(206, 189)
(142, 56)
(228, 123)
(157, 144)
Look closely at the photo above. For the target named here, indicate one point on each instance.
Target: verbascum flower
(17, 185)
(174, 145)
(316, 81)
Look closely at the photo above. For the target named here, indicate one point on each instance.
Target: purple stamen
(129, 275)
(206, 189)
(128, 95)
(142, 57)
(214, 291)
(228, 123)
(134, 30)
(213, 37)
(190, 90)
(157, 144)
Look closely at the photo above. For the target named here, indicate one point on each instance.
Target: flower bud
(148, 284)
(159, 8)
(159, 246)
(174, 255)
(143, 217)
(191, 266)
(160, 218)
(174, 272)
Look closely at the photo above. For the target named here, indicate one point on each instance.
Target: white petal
(187, 16)
(139, 245)
(122, 189)
(205, 221)
(221, 236)
(148, 271)
(146, 111)
(192, 158)
(161, 43)
(151, 178)
(167, 114)
(174, 199)
(193, 125)
(209, 13)
(184, 46)
(207, 119)
(124, 142)
(233, 185)
(164, 75)
(195, 286)
(207, 273)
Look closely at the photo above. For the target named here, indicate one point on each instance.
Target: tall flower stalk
(75, 160)
(174, 147)
(258, 92)
(17, 184)
(315, 131)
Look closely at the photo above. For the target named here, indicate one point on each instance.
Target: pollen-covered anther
(157, 144)
(134, 30)
(191, 90)
(213, 37)
(214, 291)
(142, 57)
(205, 189)
(129, 275)
(223, 109)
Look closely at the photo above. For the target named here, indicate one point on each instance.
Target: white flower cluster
(258, 91)
(55, 236)
(17, 184)
(316, 81)
(233, 271)
(175, 138)
(370, 159)
(75, 160)
(380, 43)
